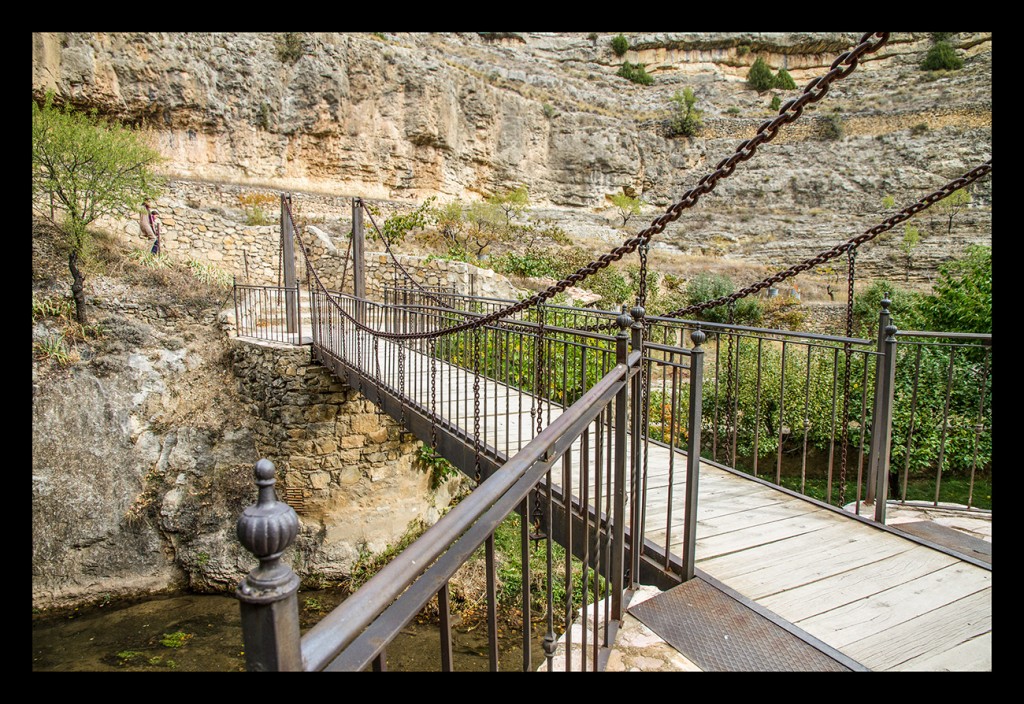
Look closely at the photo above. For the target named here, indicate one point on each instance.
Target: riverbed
(203, 633)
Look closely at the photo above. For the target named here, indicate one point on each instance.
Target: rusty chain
(845, 432)
(387, 248)
(476, 404)
(814, 91)
(870, 234)
(432, 355)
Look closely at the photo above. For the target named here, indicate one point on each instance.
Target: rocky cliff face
(463, 115)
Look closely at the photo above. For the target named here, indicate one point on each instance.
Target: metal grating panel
(719, 634)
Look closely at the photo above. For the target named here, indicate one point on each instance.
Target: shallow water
(140, 637)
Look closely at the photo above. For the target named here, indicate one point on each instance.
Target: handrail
(339, 628)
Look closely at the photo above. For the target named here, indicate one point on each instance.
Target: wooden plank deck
(884, 600)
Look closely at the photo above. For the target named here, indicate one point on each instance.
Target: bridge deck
(886, 601)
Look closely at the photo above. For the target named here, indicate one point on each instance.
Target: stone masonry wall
(350, 473)
(204, 222)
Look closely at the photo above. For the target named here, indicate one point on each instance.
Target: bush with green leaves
(783, 81)
(962, 297)
(760, 76)
(708, 287)
(833, 127)
(684, 119)
(620, 45)
(775, 104)
(90, 168)
(637, 73)
(942, 57)
(627, 205)
(904, 307)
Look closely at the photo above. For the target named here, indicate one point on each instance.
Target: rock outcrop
(407, 116)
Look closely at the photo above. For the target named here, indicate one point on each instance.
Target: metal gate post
(290, 284)
(876, 429)
(693, 452)
(887, 374)
(637, 433)
(358, 258)
(270, 607)
(618, 557)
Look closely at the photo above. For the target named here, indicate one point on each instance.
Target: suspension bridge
(620, 436)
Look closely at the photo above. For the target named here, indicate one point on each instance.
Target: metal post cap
(698, 336)
(268, 528)
(624, 320)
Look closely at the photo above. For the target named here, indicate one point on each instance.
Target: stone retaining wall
(205, 222)
(350, 473)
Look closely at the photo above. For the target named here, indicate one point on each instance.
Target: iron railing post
(876, 429)
(291, 285)
(358, 258)
(270, 607)
(617, 563)
(636, 433)
(887, 373)
(234, 294)
(693, 452)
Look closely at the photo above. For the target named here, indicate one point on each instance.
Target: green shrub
(783, 81)
(833, 127)
(942, 57)
(707, 287)
(962, 298)
(684, 118)
(760, 77)
(620, 45)
(636, 73)
(530, 264)
(548, 110)
(775, 104)
(733, 110)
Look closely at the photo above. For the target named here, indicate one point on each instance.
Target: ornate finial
(886, 302)
(698, 336)
(267, 530)
(890, 333)
(637, 312)
(623, 321)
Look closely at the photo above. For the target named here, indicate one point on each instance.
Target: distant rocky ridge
(406, 116)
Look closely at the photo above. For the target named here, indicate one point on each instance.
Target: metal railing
(578, 480)
(942, 427)
(775, 402)
(272, 313)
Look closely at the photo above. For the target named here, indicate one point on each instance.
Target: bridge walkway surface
(873, 597)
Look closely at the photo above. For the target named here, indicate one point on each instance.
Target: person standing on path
(150, 226)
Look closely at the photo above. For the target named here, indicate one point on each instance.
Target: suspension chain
(431, 354)
(401, 378)
(540, 369)
(886, 225)
(476, 404)
(843, 436)
(394, 259)
(814, 91)
(729, 420)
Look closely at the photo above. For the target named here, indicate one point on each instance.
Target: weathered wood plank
(800, 560)
(973, 656)
(857, 583)
(877, 613)
(931, 635)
